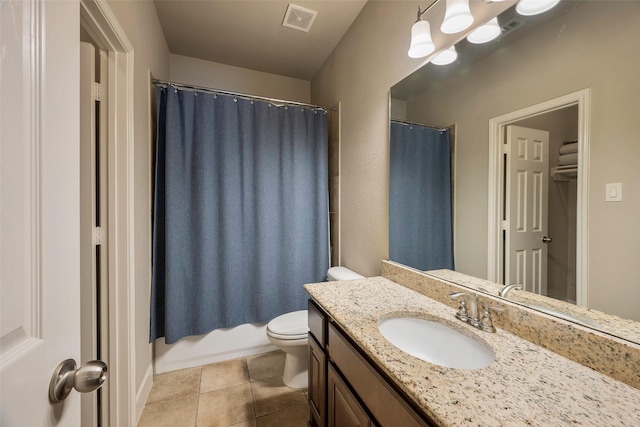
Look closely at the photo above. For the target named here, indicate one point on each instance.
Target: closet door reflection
(420, 197)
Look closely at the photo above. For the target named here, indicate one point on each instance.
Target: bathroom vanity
(345, 386)
(358, 378)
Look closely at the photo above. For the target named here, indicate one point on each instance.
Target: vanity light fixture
(445, 57)
(421, 42)
(534, 7)
(457, 17)
(485, 33)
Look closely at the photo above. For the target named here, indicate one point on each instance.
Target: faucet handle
(462, 313)
(486, 323)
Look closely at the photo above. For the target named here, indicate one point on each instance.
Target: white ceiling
(249, 33)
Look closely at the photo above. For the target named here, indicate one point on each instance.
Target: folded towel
(568, 159)
(569, 148)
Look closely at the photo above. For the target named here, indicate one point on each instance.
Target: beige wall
(371, 57)
(605, 59)
(226, 77)
(140, 23)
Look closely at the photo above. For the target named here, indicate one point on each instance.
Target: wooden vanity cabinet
(345, 387)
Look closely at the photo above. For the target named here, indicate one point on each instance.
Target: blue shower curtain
(240, 211)
(420, 206)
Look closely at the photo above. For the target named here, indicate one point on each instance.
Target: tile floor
(246, 392)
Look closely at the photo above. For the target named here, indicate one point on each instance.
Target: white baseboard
(217, 346)
(143, 392)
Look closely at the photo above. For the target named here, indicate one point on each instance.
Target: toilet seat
(287, 337)
(289, 326)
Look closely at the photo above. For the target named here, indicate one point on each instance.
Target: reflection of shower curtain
(420, 214)
(240, 211)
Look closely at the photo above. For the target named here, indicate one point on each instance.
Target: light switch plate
(613, 192)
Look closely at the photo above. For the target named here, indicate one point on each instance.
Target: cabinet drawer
(386, 405)
(317, 323)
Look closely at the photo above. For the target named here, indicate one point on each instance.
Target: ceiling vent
(514, 24)
(299, 18)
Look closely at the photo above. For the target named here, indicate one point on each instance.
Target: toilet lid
(290, 325)
(342, 273)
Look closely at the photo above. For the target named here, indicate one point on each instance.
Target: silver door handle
(84, 379)
(546, 239)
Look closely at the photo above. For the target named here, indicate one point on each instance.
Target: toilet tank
(342, 273)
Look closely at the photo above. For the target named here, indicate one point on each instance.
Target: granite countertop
(525, 385)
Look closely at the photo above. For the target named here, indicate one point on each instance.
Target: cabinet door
(317, 382)
(344, 409)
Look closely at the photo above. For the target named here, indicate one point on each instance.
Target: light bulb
(457, 17)
(421, 43)
(446, 56)
(485, 33)
(534, 7)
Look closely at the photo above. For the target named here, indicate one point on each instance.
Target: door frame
(98, 19)
(497, 125)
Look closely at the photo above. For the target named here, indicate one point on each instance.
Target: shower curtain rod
(402, 122)
(239, 95)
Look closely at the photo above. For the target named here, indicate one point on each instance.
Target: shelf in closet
(564, 173)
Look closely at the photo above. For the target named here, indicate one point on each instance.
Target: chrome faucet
(468, 310)
(505, 291)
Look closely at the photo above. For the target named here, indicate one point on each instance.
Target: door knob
(84, 379)
(546, 239)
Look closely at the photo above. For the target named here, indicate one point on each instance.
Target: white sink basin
(436, 343)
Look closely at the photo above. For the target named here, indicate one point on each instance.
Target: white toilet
(289, 332)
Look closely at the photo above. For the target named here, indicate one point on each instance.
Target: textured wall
(372, 57)
(226, 77)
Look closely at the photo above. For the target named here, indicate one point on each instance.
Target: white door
(39, 208)
(526, 199)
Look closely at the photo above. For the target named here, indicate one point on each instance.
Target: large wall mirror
(563, 88)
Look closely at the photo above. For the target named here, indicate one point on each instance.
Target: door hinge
(97, 236)
(505, 148)
(98, 91)
(505, 224)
